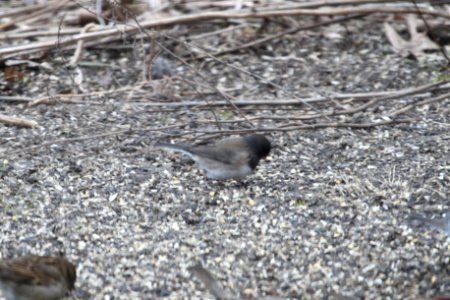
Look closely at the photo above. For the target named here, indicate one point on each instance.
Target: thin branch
(100, 135)
(371, 103)
(208, 16)
(427, 26)
(68, 98)
(15, 99)
(278, 35)
(420, 103)
(79, 49)
(46, 9)
(292, 127)
(21, 10)
(15, 121)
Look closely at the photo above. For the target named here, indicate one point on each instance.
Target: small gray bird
(226, 159)
(440, 224)
(36, 278)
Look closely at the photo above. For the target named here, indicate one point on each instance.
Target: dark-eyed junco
(226, 159)
(36, 278)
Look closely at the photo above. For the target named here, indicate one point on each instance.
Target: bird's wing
(223, 153)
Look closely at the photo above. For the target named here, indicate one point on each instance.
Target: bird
(231, 158)
(439, 224)
(36, 278)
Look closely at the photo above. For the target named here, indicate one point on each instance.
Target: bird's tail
(177, 148)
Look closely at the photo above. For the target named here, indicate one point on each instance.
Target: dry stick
(15, 99)
(236, 103)
(421, 103)
(34, 47)
(77, 139)
(17, 121)
(8, 35)
(221, 132)
(46, 9)
(278, 35)
(309, 4)
(332, 113)
(101, 135)
(296, 127)
(241, 103)
(376, 100)
(372, 102)
(68, 98)
(79, 49)
(224, 96)
(216, 32)
(441, 49)
(21, 10)
(154, 42)
(315, 4)
(149, 58)
(50, 100)
(260, 78)
(215, 134)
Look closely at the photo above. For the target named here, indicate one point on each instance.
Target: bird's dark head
(259, 145)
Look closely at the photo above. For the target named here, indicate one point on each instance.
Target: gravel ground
(325, 217)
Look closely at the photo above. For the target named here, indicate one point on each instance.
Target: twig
(36, 33)
(79, 49)
(308, 4)
(294, 127)
(149, 58)
(281, 128)
(419, 103)
(278, 35)
(427, 26)
(260, 78)
(207, 16)
(15, 121)
(301, 126)
(371, 103)
(201, 75)
(47, 8)
(21, 10)
(15, 99)
(101, 135)
(68, 98)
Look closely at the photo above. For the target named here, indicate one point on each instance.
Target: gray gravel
(324, 218)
